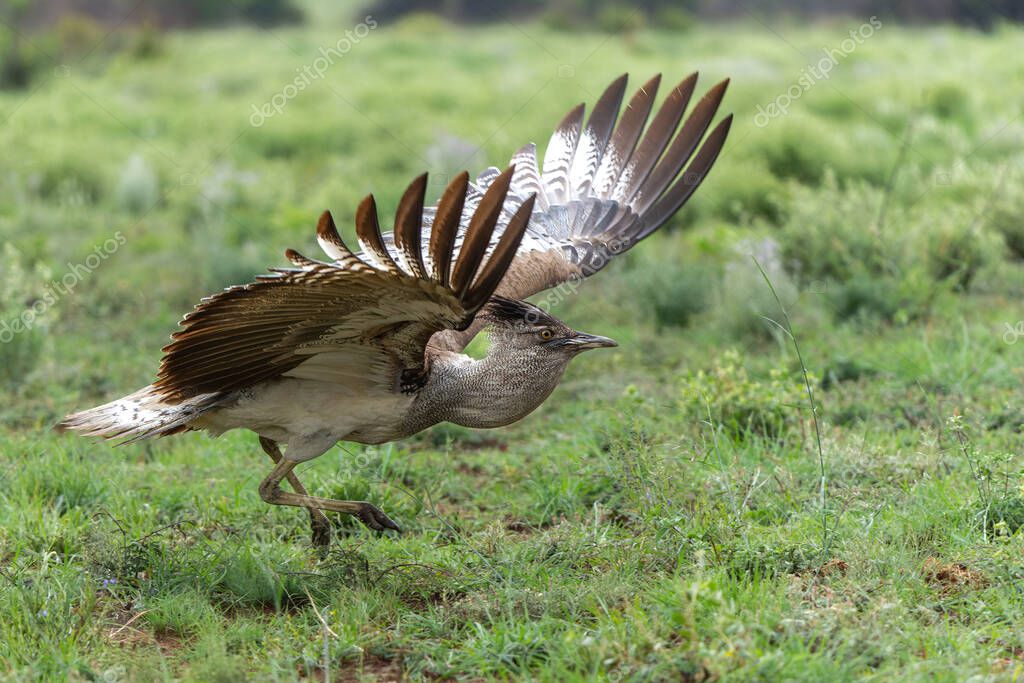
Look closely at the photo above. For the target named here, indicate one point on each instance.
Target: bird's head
(521, 325)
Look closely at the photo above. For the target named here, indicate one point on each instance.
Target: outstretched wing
(364, 317)
(604, 184)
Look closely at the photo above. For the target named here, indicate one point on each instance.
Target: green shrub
(958, 248)
(21, 60)
(259, 12)
(798, 149)
(830, 235)
(78, 34)
(864, 296)
(183, 614)
(842, 369)
(890, 271)
(22, 326)
(675, 281)
(803, 147)
(620, 19)
(1006, 218)
(742, 406)
(895, 299)
(1010, 224)
(1008, 512)
(767, 561)
(69, 181)
(834, 106)
(147, 42)
(675, 293)
(744, 302)
(673, 20)
(741, 191)
(949, 101)
(27, 56)
(559, 19)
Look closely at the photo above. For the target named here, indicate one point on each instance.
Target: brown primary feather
(332, 244)
(595, 136)
(407, 226)
(301, 261)
(655, 139)
(446, 227)
(559, 154)
(479, 232)
(370, 238)
(690, 180)
(681, 149)
(502, 256)
(624, 139)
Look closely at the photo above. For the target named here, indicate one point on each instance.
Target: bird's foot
(321, 528)
(374, 518)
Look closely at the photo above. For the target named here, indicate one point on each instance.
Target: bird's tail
(137, 416)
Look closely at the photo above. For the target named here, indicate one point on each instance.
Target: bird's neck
(501, 388)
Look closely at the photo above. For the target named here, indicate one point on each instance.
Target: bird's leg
(318, 522)
(367, 513)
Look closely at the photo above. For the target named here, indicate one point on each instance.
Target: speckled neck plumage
(499, 389)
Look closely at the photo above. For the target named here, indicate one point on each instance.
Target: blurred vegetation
(617, 16)
(39, 37)
(22, 328)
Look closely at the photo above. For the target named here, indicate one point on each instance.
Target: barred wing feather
(369, 314)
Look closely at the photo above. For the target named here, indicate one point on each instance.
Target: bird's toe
(374, 518)
(321, 534)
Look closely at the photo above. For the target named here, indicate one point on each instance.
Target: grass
(661, 517)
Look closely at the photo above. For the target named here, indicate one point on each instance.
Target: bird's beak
(583, 341)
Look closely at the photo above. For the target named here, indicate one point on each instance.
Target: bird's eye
(546, 335)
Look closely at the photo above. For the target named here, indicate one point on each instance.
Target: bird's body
(499, 389)
(291, 411)
(368, 346)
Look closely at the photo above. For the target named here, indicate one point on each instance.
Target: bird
(368, 346)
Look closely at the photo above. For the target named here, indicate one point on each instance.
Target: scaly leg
(318, 522)
(367, 513)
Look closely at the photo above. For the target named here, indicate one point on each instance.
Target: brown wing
(371, 315)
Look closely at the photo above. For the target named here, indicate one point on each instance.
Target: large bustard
(367, 346)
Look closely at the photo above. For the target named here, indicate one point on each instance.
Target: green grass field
(663, 517)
